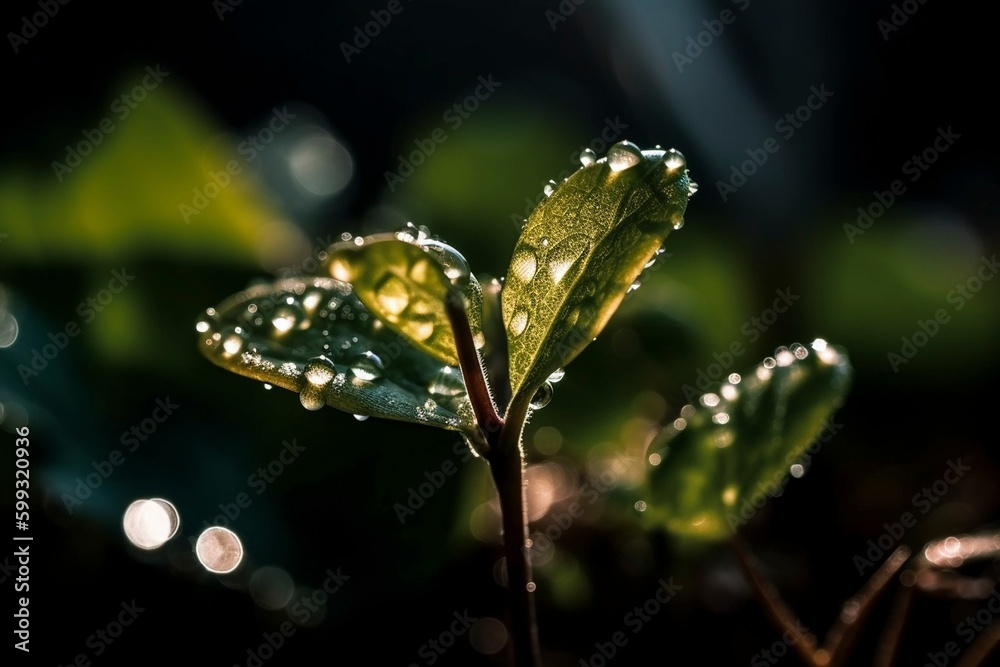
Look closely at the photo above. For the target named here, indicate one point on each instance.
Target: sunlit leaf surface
(723, 457)
(582, 249)
(406, 284)
(313, 336)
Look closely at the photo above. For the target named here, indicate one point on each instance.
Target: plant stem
(503, 452)
(507, 466)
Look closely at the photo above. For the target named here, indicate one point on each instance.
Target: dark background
(559, 86)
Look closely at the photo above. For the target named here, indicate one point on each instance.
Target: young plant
(396, 326)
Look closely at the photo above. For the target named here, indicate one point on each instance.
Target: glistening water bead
(367, 366)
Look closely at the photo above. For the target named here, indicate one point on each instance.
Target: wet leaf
(580, 252)
(314, 337)
(406, 285)
(721, 458)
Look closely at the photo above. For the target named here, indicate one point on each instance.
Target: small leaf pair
(375, 334)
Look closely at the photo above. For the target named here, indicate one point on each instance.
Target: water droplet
(361, 418)
(675, 160)
(587, 157)
(409, 233)
(149, 524)
(319, 371)
(769, 362)
(219, 550)
(359, 241)
(530, 586)
(542, 397)
(519, 322)
(800, 351)
(783, 357)
(454, 264)
(678, 221)
(623, 155)
(368, 366)
(392, 294)
(557, 375)
(311, 397)
(524, 264)
(721, 418)
(479, 340)
(549, 188)
(564, 255)
(448, 383)
(202, 326)
(233, 344)
(285, 319)
(797, 470)
(267, 386)
(692, 188)
(640, 505)
(709, 400)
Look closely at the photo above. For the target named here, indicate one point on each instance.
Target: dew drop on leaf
(311, 397)
(623, 155)
(542, 396)
(675, 160)
(367, 366)
(519, 322)
(319, 371)
(454, 264)
(587, 157)
(524, 264)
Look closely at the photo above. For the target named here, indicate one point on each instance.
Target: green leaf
(135, 193)
(739, 442)
(581, 251)
(314, 337)
(406, 284)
